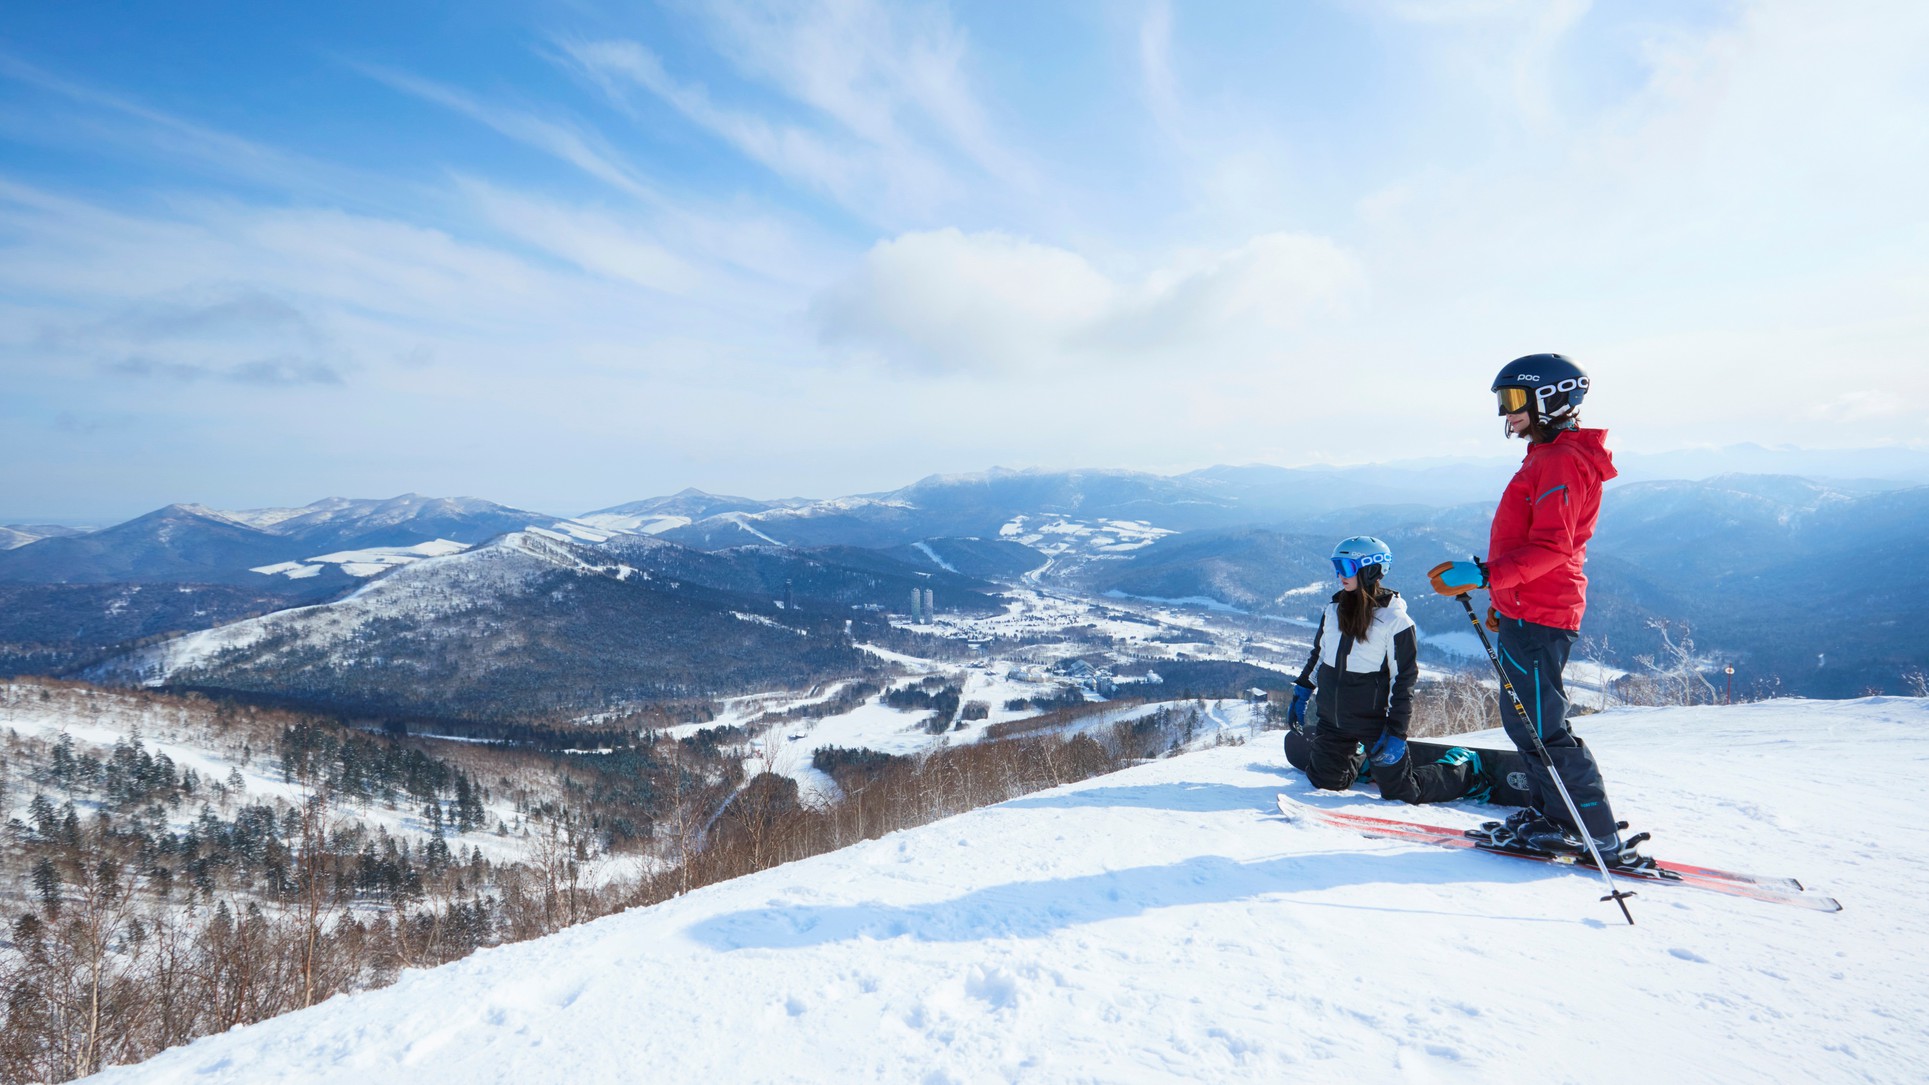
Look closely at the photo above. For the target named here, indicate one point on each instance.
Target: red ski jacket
(1546, 517)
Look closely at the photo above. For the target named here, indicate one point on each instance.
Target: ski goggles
(1346, 567)
(1512, 399)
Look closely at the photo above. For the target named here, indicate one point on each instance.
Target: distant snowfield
(1062, 535)
(364, 563)
(1165, 924)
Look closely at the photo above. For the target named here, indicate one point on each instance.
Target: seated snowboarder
(1359, 678)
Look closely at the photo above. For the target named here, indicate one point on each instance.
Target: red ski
(1775, 890)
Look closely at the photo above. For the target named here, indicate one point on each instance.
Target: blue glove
(1457, 577)
(1389, 750)
(1296, 712)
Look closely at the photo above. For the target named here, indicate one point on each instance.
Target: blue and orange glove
(1296, 712)
(1457, 577)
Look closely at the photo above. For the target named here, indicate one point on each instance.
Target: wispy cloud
(97, 119)
(1159, 85)
(893, 125)
(792, 151)
(564, 140)
(264, 372)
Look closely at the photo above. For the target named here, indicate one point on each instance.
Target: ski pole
(1618, 896)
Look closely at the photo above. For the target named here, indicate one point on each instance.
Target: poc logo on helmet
(1576, 385)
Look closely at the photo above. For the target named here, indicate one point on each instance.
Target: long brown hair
(1356, 607)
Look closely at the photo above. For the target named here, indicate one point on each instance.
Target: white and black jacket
(1366, 686)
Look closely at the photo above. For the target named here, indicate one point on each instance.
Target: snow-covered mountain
(1763, 567)
(196, 544)
(179, 543)
(1165, 924)
(13, 536)
(536, 624)
(1772, 573)
(655, 515)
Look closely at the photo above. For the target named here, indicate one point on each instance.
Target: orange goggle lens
(1511, 399)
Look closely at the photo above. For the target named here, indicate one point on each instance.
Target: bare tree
(1673, 675)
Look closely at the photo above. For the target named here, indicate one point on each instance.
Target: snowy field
(96, 720)
(1165, 924)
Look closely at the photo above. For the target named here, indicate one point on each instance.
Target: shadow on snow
(1038, 909)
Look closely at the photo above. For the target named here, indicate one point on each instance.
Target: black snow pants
(1533, 657)
(1332, 759)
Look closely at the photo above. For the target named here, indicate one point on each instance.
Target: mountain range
(1772, 573)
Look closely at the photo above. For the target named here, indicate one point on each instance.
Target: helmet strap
(1369, 578)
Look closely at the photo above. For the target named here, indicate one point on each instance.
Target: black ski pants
(1533, 657)
(1332, 760)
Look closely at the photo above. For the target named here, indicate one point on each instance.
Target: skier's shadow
(1037, 909)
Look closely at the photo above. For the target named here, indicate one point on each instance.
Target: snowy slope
(1163, 924)
(426, 586)
(97, 720)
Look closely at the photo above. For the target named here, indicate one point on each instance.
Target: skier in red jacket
(1533, 572)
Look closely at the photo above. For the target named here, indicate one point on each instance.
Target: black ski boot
(1616, 853)
(1507, 834)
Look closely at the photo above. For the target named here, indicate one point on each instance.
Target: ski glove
(1296, 712)
(1389, 750)
(1457, 577)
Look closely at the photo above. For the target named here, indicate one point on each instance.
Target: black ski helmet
(1363, 556)
(1551, 383)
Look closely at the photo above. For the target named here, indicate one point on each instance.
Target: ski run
(1167, 924)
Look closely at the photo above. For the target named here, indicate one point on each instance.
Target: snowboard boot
(1478, 788)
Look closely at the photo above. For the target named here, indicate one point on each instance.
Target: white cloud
(948, 301)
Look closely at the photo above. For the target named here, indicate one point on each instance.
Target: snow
(578, 530)
(742, 520)
(1317, 587)
(1164, 924)
(96, 721)
(365, 563)
(759, 619)
(1205, 602)
(621, 524)
(1460, 644)
(935, 559)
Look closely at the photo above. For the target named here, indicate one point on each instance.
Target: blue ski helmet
(1362, 556)
(1552, 383)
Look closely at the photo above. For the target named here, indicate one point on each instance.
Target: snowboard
(1502, 780)
(1504, 772)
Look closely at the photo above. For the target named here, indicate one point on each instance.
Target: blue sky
(569, 254)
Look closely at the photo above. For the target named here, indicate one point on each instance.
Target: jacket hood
(1589, 446)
